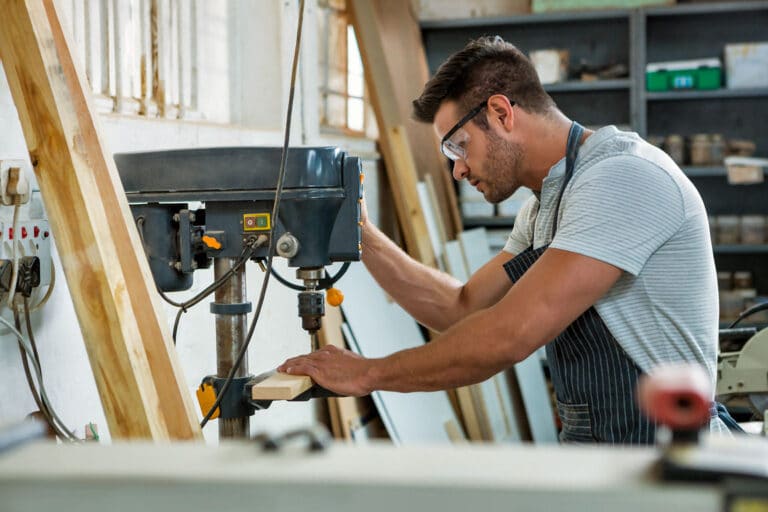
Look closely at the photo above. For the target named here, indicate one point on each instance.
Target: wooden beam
(396, 70)
(281, 386)
(140, 382)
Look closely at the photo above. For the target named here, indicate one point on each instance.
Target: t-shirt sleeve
(521, 236)
(620, 212)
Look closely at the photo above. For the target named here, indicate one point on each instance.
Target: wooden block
(140, 382)
(281, 386)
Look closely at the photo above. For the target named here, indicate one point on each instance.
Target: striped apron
(594, 379)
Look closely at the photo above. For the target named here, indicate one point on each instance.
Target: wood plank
(281, 386)
(396, 70)
(137, 373)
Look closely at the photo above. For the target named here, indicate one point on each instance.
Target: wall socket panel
(33, 236)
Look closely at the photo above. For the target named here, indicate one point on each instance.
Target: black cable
(749, 312)
(324, 283)
(184, 306)
(275, 208)
(60, 428)
(40, 398)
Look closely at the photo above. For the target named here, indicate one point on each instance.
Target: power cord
(184, 306)
(30, 351)
(749, 312)
(275, 208)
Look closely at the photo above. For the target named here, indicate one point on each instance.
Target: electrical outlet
(14, 181)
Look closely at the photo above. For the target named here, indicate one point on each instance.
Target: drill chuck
(311, 310)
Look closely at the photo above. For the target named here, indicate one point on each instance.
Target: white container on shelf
(746, 65)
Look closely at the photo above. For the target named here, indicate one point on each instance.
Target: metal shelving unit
(716, 94)
(700, 172)
(597, 85)
(636, 37)
(741, 249)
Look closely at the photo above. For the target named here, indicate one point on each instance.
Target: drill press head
(318, 222)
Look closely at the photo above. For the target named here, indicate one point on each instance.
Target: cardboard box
(551, 65)
(454, 9)
(746, 65)
(578, 5)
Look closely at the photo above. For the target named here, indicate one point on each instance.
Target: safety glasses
(455, 148)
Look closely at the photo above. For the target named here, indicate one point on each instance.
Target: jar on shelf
(701, 149)
(717, 149)
(674, 145)
(753, 229)
(731, 304)
(728, 232)
(742, 280)
(724, 281)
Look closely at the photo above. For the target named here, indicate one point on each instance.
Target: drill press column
(231, 329)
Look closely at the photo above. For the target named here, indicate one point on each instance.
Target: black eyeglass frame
(464, 120)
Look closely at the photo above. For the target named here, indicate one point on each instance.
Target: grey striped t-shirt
(629, 205)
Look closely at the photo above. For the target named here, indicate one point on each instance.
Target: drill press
(318, 223)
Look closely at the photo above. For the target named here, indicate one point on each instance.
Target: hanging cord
(185, 305)
(275, 209)
(45, 404)
(49, 291)
(749, 312)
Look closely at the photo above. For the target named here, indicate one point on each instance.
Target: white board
(430, 218)
(377, 328)
(529, 373)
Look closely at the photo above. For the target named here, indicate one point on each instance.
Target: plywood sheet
(377, 328)
(529, 373)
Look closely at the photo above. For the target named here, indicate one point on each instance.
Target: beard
(503, 166)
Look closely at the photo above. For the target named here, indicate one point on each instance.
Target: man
(609, 265)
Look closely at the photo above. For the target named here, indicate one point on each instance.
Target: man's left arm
(555, 291)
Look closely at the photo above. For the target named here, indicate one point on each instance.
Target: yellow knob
(334, 297)
(211, 242)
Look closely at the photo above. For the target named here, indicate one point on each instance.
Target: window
(343, 102)
(140, 55)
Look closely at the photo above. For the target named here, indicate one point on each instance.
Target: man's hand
(335, 369)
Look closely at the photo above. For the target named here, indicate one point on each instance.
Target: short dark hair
(486, 66)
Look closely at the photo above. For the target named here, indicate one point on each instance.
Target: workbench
(378, 477)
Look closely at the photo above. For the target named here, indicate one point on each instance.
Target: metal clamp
(240, 308)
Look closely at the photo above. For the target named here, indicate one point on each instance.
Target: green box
(700, 74)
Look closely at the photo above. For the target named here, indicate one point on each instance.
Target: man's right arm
(435, 299)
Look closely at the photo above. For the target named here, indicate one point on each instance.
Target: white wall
(244, 59)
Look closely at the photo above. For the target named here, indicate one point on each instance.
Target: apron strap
(571, 152)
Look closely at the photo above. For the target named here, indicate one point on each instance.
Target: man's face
(492, 163)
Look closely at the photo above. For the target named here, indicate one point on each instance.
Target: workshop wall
(244, 53)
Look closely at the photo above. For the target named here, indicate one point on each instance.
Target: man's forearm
(430, 296)
(469, 352)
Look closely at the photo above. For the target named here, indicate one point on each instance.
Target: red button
(36, 231)
(45, 235)
(24, 232)
(10, 233)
